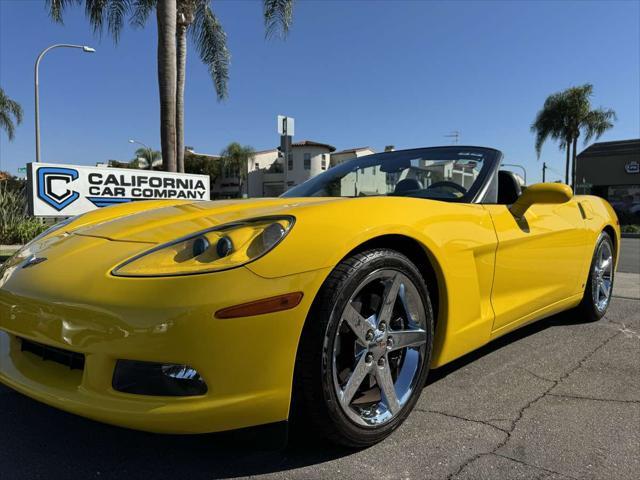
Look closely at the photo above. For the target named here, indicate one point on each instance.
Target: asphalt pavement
(559, 399)
(629, 256)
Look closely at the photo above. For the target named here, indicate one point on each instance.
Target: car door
(539, 259)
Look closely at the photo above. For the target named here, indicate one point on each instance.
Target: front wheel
(599, 288)
(364, 354)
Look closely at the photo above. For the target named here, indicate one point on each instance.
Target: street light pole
(85, 49)
(149, 151)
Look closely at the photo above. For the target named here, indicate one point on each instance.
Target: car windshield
(444, 173)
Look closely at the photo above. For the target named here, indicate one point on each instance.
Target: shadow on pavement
(39, 441)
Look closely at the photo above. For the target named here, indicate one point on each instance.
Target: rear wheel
(599, 288)
(365, 351)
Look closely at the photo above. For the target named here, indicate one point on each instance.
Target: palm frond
(57, 7)
(211, 42)
(95, 10)
(597, 122)
(109, 12)
(141, 11)
(16, 110)
(550, 122)
(116, 13)
(8, 109)
(278, 16)
(6, 124)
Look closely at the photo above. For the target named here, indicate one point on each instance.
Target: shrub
(16, 226)
(630, 228)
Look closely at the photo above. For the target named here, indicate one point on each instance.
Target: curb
(630, 235)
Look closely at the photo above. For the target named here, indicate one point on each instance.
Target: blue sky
(352, 73)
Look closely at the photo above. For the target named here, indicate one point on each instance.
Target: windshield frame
(490, 164)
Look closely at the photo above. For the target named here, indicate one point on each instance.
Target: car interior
(509, 188)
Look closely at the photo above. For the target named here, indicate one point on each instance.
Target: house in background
(348, 154)
(270, 175)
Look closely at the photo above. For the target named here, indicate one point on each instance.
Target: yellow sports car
(338, 297)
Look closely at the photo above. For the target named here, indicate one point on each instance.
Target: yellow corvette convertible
(337, 298)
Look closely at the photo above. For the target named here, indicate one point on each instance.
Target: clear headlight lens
(219, 248)
(37, 244)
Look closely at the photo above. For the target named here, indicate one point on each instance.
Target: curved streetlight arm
(524, 170)
(84, 48)
(150, 152)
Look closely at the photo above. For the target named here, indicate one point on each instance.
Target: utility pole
(286, 129)
(544, 171)
(455, 135)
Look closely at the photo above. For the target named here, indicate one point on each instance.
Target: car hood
(158, 222)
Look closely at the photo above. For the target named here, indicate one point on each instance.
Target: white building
(348, 154)
(270, 177)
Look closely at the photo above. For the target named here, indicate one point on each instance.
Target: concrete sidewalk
(627, 285)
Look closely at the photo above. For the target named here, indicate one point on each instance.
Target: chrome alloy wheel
(380, 347)
(602, 277)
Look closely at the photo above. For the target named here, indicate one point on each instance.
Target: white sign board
(286, 126)
(65, 190)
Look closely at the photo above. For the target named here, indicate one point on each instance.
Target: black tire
(588, 308)
(314, 395)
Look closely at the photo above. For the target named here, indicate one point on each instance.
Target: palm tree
(194, 17)
(146, 159)
(166, 13)
(582, 119)
(10, 114)
(235, 158)
(564, 116)
(550, 123)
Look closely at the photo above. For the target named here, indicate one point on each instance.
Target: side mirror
(550, 193)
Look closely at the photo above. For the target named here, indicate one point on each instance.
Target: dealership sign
(65, 190)
(632, 167)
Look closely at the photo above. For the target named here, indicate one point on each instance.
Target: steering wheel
(452, 185)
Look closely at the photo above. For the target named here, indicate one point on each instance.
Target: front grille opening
(72, 360)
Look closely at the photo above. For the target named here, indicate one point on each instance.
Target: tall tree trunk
(566, 167)
(573, 164)
(166, 12)
(181, 43)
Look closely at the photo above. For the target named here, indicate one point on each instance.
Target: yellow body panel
(492, 276)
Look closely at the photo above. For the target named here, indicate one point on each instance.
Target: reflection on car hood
(165, 222)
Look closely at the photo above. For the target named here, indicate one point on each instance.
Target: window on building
(307, 161)
(290, 162)
(257, 166)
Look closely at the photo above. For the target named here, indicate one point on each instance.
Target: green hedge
(16, 226)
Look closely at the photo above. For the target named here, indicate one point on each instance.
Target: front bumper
(247, 363)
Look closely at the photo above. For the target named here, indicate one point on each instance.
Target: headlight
(219, 248)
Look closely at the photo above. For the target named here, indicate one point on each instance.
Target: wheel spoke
(355, 380)
(604, 265)
(385, 382)
(357, 322)
(407, 338)
(604, 289)
(389, 299)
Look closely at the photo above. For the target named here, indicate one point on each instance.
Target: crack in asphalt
(514, 423)
(596, 399)
(628, 333)
(473, 420)
(531, 465)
